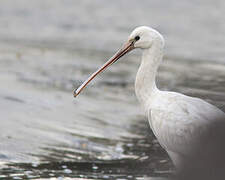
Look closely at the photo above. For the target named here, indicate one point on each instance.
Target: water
(48, 48)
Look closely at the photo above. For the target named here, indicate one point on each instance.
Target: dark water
(48, 48)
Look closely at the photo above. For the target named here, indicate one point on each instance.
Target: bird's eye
(137, 38)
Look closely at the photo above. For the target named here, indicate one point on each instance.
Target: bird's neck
(145, 86)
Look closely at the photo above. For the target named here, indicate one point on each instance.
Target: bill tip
(75, 94)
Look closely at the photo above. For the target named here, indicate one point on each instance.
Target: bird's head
(142, 37)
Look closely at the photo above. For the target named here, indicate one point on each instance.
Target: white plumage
(175, 119)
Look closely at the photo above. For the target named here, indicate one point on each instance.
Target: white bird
(176, 120)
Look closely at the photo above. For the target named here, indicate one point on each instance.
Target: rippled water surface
(49, 47)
